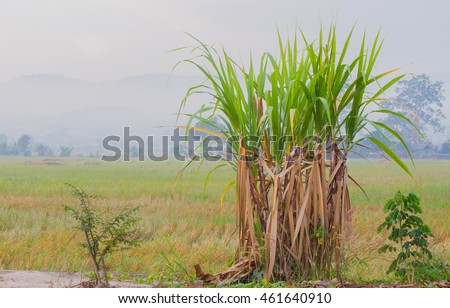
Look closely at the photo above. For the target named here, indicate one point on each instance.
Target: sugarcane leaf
(390, 153)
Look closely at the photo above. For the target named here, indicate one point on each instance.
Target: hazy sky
(108, 39)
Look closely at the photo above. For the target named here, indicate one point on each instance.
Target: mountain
(60, 110)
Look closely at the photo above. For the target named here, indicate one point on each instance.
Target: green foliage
(311, 91)
(103, 236)
(65, 151)
(409, 237)
(162, 280)
(43, 150)
(445, 148)
(175, 264)
(260, 284)
(23, 145)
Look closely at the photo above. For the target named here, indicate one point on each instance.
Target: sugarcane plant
(291, 121)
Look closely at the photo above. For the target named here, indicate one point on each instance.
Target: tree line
(24, 147)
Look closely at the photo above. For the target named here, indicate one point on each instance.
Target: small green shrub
(409, 237)
(103, 236)
(260, 284)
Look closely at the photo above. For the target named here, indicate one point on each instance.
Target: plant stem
(94, 261)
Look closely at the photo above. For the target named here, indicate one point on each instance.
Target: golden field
(36, 234)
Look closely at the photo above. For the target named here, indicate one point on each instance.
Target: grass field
(36, 234)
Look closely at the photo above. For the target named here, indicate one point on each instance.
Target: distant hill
(60, 110)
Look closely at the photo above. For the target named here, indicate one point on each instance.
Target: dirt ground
(37, 279)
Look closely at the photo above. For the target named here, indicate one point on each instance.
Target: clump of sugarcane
(292, 121)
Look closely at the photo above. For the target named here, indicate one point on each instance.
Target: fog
(74, 71)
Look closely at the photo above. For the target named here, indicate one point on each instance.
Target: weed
(103, 236)
(410, 239)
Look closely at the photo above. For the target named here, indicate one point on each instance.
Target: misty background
(73, 72)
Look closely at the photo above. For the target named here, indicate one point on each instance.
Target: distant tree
(135, 151)
(43, 150)
(3, 144)
(420, 100)
(13, 149)
(23, 145)
(65, 151)
(445, 148)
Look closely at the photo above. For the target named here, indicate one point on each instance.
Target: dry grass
(35, 233)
